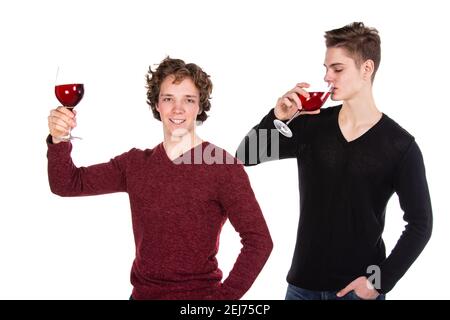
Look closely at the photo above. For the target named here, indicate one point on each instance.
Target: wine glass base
(282, 128)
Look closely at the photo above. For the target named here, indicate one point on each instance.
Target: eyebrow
(334, 64)
(171, 95)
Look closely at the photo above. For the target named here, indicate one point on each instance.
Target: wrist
(56, 140)
(277, 115)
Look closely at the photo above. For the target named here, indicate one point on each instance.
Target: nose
(178, 107)
(328, 78)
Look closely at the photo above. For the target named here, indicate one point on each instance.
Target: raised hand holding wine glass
(69, 93)
(299, 101)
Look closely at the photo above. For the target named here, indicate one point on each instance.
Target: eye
(166, 99)
(338, 70)
(190, 100)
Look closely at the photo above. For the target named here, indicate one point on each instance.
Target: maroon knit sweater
(178, 211)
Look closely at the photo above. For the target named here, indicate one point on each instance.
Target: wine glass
(69, 93)
(317, 97)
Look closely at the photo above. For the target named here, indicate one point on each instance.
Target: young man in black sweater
(351, 159)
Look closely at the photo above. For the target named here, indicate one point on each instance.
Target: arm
(411, 186)
(67, 180)
(239, 203)
(264, 143)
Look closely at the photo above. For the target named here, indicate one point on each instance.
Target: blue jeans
(296, 293)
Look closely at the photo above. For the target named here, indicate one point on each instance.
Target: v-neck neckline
(190, 151)
(368, 132)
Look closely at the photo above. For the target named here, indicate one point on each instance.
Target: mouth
(177, 121)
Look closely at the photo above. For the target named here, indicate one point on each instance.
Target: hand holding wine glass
(69, 93)
(298, 101)
(290, 103)
(60, 122)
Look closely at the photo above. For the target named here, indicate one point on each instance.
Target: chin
(338, 97)
(179, 132)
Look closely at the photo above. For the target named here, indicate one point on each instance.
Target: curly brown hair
(361, 42)
(180, 70)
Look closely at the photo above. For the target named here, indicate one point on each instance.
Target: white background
(82, 248)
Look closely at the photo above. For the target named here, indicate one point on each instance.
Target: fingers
(66, 111)
(58, 123)
(346, 290)
(286, 102)
(364, 290)
(63, 114)
(361, 288)
(294, 97)
(291, 99)
(290, 102)
(286, 107)
(302, 85)
(70, 113)
(61, 121)
(293, 94)
(298, 90)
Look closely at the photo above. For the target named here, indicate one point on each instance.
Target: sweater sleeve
(241, 207)
(67, 180)
(264, 143)
(411, 187)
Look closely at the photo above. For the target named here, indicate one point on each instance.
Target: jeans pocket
(355, 296)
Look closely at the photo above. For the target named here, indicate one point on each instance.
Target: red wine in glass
(69, 94)
(315, 101)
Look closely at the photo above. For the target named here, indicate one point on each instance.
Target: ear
(367, 68)
(199, 111)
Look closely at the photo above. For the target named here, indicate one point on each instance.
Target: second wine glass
(69, 93)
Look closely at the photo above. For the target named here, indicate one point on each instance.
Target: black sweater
(344, 190)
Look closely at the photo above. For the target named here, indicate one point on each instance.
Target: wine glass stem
(293, 117)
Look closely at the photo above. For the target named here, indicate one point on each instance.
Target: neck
(175, 146)
(360, 109)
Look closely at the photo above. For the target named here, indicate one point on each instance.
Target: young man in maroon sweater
(181, 193)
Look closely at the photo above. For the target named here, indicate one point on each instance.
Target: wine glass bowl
(69, 91)
(69, 95)
(315, 101)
